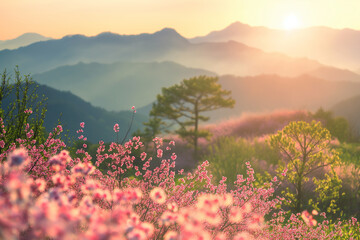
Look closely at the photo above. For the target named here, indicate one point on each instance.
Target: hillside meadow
(240, 187)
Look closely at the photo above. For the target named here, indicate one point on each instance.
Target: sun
(290, 22)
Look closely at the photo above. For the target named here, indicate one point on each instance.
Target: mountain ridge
(229, 57)
(273, 92)
(335, 47)
(113, 85)
(71, 110)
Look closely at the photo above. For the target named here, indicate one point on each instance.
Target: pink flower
(171, 235)
(136, 234)
(246, 208)
(168, 218)
(18, 157)
(158, 195)
(308, 218)
(159, 153)
(235, 215)
(146, 227)
(28, 111)
(133, 195)
(243, 236)
(55, 164)
(40, 185)
(220, 236)
(116, 127)
(172, 206)
(82, 124)
(30, 134)
(256, 221)
(227, 200)
(59, 128)
(143, 156)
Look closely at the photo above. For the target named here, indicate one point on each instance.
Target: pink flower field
(47, 194)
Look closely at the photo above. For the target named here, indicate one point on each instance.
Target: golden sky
(57, 18)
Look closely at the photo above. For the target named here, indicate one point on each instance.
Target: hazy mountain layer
(266, 93)
(118, 86)
(330, 46)
(350, 109)
(271, 92)
(72, 110)
(103, 48)
(166, 45)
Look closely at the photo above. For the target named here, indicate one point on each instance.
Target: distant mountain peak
(225, 34)
(167, 31)
(108, 33)
(238, 24)
(170, 33)
(31, 35)
(22, 40)
(74, 36)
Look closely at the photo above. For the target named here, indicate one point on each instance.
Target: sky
(57, 18)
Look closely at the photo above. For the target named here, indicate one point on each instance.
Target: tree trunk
(196, 131)
(299, 196)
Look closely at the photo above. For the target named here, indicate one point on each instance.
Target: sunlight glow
(291, 22)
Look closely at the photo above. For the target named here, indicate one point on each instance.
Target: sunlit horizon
(193, 18)
(286, 26)
(291, 22)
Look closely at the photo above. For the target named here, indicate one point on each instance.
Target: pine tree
(184, 104)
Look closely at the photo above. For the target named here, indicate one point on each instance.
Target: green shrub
(228, 155)
(20, 105)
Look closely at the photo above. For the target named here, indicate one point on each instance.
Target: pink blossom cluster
(133, 108)
(116, 127)
(28, 111)
(46, 193)
(78, 202)
(250, 125)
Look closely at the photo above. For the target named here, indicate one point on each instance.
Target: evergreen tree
(184, 104)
